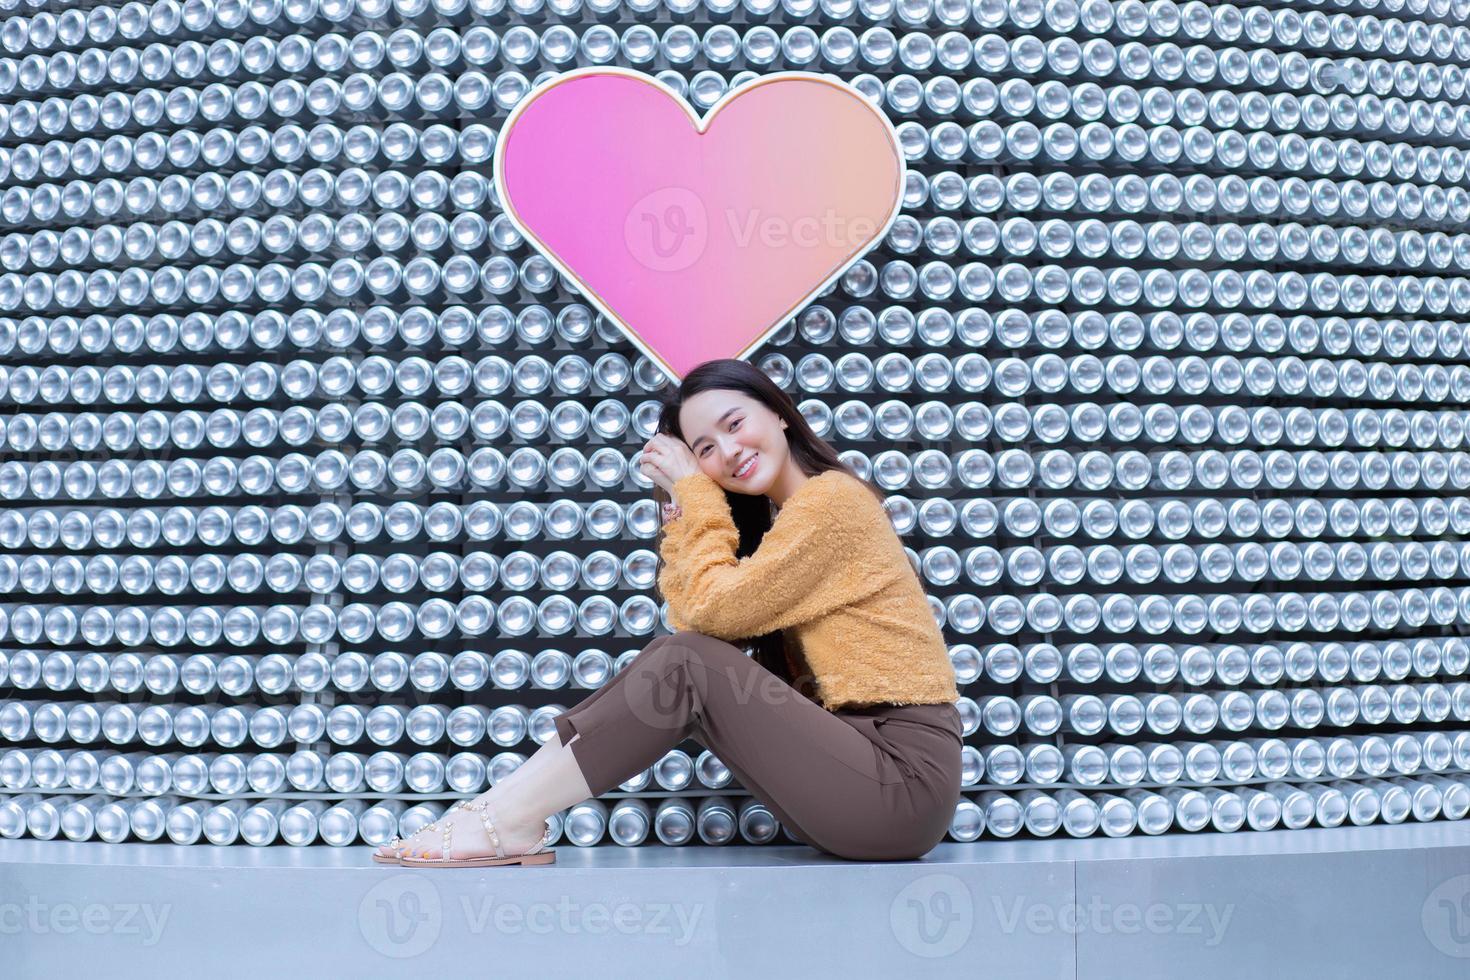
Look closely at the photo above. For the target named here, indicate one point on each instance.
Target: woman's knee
(696, 657)
(699, 646)
(654, 651)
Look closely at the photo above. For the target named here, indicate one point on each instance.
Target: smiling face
(740, 443)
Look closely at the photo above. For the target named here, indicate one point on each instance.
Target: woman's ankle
(511, 815)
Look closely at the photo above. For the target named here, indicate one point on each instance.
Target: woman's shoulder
(837, 493)
(842, 481)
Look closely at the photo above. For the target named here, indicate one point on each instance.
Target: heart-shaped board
(698, 238)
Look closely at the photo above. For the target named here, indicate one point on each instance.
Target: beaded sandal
(537, 854)
(397, 842)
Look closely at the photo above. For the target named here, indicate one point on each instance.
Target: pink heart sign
(697, 237)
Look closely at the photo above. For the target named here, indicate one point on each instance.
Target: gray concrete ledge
(1376, 901)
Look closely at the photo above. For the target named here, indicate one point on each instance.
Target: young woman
(842, 721)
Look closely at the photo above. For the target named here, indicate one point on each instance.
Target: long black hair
(754, 513)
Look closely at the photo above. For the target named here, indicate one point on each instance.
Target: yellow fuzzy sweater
(831, 573)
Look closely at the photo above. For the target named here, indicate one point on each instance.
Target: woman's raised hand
(667, 460)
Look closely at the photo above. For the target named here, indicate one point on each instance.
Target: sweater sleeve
(789, 579)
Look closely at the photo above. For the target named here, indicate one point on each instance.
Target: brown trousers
(879, 783)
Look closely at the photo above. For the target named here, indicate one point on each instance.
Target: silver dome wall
(319, 494)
